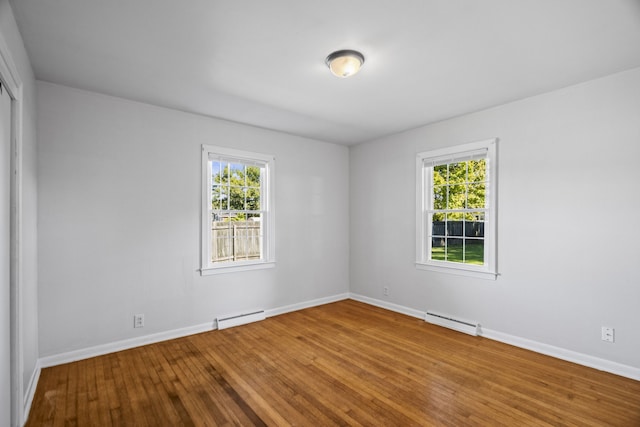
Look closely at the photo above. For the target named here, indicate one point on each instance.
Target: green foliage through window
(458, 197)
(235, 189)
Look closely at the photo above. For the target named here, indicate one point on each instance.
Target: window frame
(424, 197)
(267, 202)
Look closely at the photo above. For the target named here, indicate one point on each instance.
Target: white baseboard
(306, 304)
(99, 350)
(30, 392)
(389, 306)
(557, 352)
(564, 354)
(103, 349)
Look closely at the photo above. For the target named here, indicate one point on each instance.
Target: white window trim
(423, 182)
(269, 259)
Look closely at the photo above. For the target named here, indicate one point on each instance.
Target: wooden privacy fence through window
(453, 229)
(235, 240)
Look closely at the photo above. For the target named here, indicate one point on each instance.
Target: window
(456, 218)
(237, 212)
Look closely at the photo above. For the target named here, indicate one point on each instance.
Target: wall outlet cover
(608, 334)
(138, 320)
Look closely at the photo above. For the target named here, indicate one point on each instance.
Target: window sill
(487, 275)
(236, 267)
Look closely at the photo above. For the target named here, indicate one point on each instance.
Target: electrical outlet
(385, 291)
(138, 320)
(608, 334)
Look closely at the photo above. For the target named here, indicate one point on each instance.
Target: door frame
(12, 83)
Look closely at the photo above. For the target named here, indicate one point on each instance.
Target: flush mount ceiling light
(345, 63)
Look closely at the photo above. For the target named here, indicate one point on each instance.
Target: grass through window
(470, 253)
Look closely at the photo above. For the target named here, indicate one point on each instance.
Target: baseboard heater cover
(466, 326)
(240, 319)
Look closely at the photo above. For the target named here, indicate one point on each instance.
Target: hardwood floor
(345, 363)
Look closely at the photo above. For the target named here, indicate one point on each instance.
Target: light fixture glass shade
(345, 63)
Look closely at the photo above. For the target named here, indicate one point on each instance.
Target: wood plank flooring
(345, 363)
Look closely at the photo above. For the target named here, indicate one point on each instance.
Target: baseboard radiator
(240, 319)
(466, 326)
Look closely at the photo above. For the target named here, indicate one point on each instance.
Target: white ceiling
(262, 62)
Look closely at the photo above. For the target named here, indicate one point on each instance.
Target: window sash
(429, 172)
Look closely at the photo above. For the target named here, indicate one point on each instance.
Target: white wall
(28, 252)
(569, 186)
(120, 220)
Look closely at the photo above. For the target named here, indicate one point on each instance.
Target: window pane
(474, 228)
(216, 171)
(457, 172)
(253, 198)
(457, 196)
(454, 250)
(477, 170)
(474, 251)
(221, 241)
(476, 196)
(216, 197)
(438, 227)
(224, 173)
(247, 240)
(455, 224)
(438, 247)
(440, 197)
(237, 170)
(222, 194)
(236, 198)
(253, 176)
(240, 249)
(440, 174)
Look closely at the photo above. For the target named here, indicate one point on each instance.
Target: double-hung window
(456, 215)
(237, 211)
